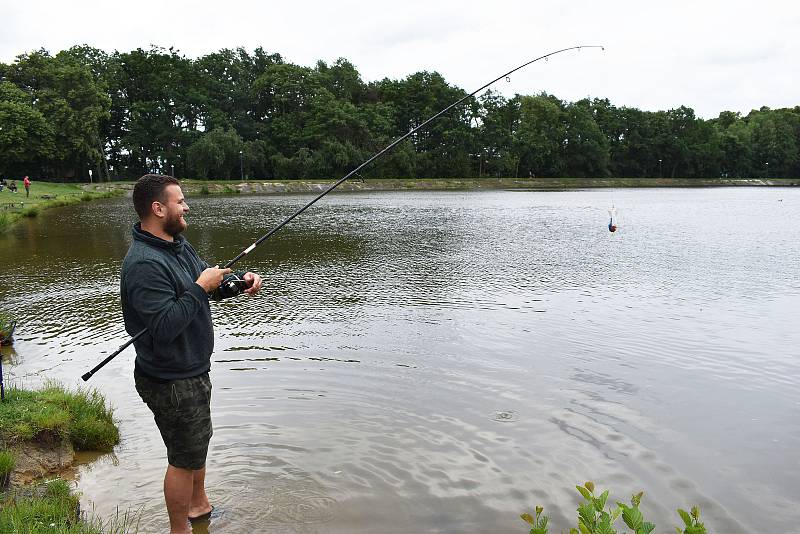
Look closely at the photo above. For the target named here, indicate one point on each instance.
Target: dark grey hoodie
(159, 293)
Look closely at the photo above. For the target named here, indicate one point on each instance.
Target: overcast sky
(708, 55)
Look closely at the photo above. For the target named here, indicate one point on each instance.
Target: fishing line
(341, 180)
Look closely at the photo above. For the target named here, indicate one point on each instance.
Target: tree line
(236, 113)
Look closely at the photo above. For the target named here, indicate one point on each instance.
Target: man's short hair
(148, 189)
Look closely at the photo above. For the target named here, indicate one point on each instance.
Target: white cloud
(711, 56)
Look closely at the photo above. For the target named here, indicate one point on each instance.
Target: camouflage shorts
(182, 411)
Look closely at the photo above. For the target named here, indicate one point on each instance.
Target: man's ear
(157, 208)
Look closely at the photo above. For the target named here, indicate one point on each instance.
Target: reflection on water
(441, 362)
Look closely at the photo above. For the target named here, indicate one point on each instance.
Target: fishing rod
(341, 180)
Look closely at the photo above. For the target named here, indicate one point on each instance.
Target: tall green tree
(585, 147)
(65, 93)
(26, 139)
(540, 137)
(216, 155)
(499, 121)
(155, 110)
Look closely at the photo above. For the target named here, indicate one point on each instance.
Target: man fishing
(165, 288)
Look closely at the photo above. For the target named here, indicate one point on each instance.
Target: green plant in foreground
(7, 463)
(594, 518)
(538, 522)
(692, 522)
(48, 508)
(51, 508)
(5, 323)
(633, 517)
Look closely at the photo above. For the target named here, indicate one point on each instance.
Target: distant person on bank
(27, 183)
(165, 288)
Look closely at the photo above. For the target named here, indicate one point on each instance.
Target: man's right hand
(211, 278)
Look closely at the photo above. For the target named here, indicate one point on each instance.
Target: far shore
(46, 195)
(251, 186)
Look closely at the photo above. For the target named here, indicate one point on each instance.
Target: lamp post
(660, 174)
(241, 165)
(766, 163)
(172, 166)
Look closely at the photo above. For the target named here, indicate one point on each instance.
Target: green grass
(49, 509)
(52, 508)
(44, 195)
(80, 416)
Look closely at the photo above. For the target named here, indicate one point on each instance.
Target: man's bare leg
(178, 484)
(199, 504)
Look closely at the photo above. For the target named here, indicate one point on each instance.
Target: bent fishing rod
(341, 180)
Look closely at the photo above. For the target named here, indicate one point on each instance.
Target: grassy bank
(80, 417)
(42, 419)
(44, 195)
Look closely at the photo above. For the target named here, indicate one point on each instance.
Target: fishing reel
(231, 286)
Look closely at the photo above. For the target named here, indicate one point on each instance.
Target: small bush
(204, 190)
(30, 212)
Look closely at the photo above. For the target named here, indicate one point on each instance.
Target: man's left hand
(253, 283)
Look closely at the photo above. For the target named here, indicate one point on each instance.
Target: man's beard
(175, 227)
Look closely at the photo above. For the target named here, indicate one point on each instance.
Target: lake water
(444, 361)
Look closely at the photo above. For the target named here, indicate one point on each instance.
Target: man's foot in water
(214, 513)
(201, 513)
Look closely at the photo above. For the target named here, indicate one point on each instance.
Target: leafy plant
(538, 522)
(692, 522)
(595, 518)
(633, 516)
